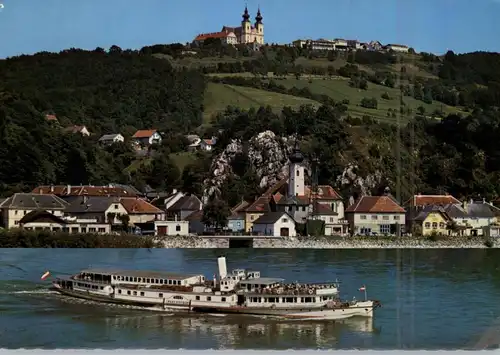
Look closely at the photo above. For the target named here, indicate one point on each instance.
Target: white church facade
(247, 33)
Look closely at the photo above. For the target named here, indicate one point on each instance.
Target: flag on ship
(45, 275)
(362, 288)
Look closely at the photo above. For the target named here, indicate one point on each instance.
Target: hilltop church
(245, 34)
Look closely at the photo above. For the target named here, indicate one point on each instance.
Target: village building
(109, 139)
(146, 137)
(275, 224)
(376, 215)
(244, 34)
(78, 129)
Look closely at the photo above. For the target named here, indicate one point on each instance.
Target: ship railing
(83, 279)
(278, 291)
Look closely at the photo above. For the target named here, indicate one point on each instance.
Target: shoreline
(205, 242)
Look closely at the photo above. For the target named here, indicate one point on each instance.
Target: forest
(115, 90)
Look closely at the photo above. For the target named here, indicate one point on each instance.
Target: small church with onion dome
(247, 33)
(303, 203)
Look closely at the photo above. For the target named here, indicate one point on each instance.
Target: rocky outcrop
(351, 178)
(267, 152)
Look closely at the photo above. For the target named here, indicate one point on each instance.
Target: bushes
(18, 238)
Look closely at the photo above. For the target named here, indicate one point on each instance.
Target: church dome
(296, 156)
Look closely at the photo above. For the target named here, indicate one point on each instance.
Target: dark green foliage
(118, 92)
(18, 238)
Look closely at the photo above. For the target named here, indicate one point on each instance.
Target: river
(432, 299)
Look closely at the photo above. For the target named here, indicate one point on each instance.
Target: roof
(195, 216)
(68, 190)
(323, 209)
(262, 281)
(375, 204)
(41, 216)
(259, 205)
(209, 141)
(144, 133)
(204, 36)
(139, 205)
(434, 209)
(480, 210)
(31, 201)
(271, 217)
(74, 129)
(51, 117)
(323, 192)
(424, 200)
(109, 137)
(455, 211)
(84, 204)
(187, 203)
(139, 273)
(294, 200)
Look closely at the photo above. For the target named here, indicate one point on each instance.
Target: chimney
(387, 191)
(174, 191)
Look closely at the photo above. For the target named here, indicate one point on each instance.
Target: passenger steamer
(240, 292)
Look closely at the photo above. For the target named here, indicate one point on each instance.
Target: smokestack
(222, 267)
(68, 190)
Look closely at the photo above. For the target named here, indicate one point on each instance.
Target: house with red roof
(376, 215)
(146, 137)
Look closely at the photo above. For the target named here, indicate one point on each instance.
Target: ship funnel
(222, 267)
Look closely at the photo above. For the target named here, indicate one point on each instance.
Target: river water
(432, 299)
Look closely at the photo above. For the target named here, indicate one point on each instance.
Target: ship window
(101, 288)
(142, 293)
(289, 299)
(308, 299)
(119, 291)
(135, 293)
(209, 298)
(197, 298)
(295, 300)
(126, 278)
(128, 292)
(223, 299)
(148, 281)
(169, 282)
(178, 297)
(135, 279)
(162, 281)
(160, 295)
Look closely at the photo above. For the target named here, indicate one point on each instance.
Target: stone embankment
(334, 243)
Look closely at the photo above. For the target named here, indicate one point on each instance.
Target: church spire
(246, 16)
(258, 18)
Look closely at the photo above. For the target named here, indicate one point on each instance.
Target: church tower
(259, 28)
(246, 27)
(296, 178)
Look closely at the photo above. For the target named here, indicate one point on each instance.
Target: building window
(427, 225)
(385, 218)
(298, 173)
(284, 220)
(396, 218)
(197, 298)
(102, 230)
(362, 216)
(135, 293)
(116, 207)
(365, 231)
(385, 228)
(331, 219)
(15, 212)
(374, 217)
(441, 225)
(209, 298)
(119, 291)
(223, 299)
(128, 292)
(177, 228)
(434, 225)
(24, 213)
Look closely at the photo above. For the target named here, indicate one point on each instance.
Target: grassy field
(182, 159)
(219, 96)
(339, 89)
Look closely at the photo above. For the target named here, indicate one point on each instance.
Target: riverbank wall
(329, 242)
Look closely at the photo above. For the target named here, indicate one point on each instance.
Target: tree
(215, 214)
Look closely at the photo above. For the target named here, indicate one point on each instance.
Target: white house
(147, 137)
(375, 215)
(109, 139)
(207, 144)
(172, 228)
(275, 224)
(397, 48)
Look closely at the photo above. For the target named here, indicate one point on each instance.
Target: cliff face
(268, 154)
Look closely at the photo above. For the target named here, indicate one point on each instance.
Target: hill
(348, 121)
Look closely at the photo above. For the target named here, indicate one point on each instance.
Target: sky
(30, 26)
